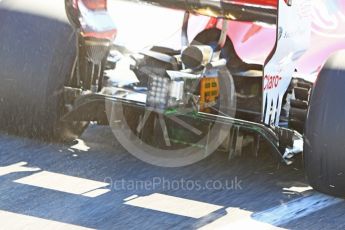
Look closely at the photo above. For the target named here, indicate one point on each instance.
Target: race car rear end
(185, 103)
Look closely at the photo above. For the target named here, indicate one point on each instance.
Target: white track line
(64, 183)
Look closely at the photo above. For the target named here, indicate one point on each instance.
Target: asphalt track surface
(96, 184)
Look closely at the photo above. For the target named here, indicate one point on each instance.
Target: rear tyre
(324, 146)
(37, 53)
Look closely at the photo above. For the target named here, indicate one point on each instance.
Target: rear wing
(240, 10)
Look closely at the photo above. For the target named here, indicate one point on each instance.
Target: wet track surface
(98, 185)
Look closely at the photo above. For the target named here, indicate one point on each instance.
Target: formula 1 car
(173, 107)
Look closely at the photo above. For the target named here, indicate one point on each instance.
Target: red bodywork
(253, 42)
(95, 4)
(328, 36)
(272, 3)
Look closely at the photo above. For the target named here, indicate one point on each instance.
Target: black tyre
(324, 146)
(37, 53)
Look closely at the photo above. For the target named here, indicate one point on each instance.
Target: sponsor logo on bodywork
(271, 82)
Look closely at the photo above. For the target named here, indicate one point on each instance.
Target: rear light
(95, 4)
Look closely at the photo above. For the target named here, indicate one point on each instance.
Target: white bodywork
(293, 39)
